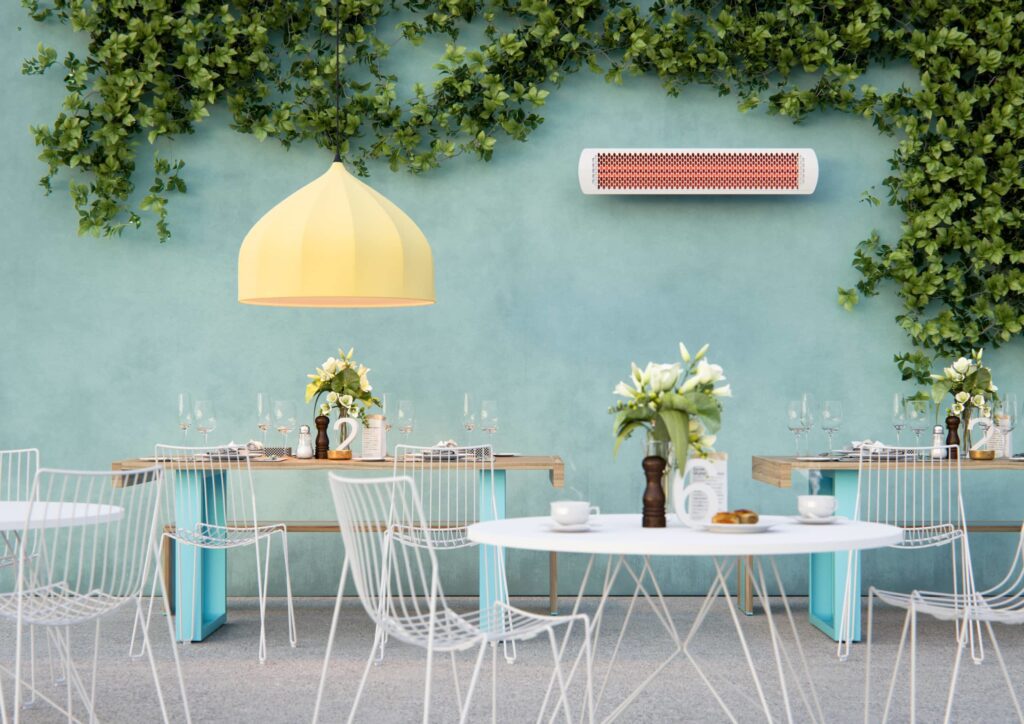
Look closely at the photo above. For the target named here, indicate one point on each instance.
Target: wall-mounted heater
(698, 171)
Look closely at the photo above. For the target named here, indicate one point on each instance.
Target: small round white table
(46, 514)
(619, 536)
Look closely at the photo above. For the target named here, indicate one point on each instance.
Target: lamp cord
(337, 81)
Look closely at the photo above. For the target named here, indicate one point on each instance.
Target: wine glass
(917, 417)
(284, 418)
(1005, 417)
(263, 414)
(468, 413)
(489, 417)
(384, 411)
(205, 416)
(184, 414)
(406, 417)
(831, 419)
(807, 412)
(795, 421)
(899, 414)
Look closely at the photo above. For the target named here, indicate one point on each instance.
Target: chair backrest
(17, 471)
(907, 487)
(90, 532)
(448, 482)
(209, 490)
(395, 579)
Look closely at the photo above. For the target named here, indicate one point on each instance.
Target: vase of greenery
(970, 383)
(679, 407)
(345, 386)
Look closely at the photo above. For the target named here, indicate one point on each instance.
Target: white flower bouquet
(970, 383)
(678, 403)
(346, 385)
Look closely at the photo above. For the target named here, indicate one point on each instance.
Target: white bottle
(938, 443)
(304, 451)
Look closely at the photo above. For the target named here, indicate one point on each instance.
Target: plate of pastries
(741, 520)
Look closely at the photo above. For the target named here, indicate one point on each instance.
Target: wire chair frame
(909, 488)
(397, 580)
(210, 502)
(88, 542)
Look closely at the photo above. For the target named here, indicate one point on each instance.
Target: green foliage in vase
(154, 68)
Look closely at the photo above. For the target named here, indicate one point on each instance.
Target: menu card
(713, 471)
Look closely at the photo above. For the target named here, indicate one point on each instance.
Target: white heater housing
(677, 171)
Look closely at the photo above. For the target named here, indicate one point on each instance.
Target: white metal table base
(719, 588)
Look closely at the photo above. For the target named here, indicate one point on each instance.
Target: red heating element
(696, 170)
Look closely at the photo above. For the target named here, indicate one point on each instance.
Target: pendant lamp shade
(335, 243)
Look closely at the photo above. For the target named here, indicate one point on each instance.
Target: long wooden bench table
(212, 599)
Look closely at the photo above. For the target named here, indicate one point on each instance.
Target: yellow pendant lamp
(336, 243)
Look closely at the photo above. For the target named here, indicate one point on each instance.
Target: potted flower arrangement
(678, 405)
(347, 388)
(970, 383)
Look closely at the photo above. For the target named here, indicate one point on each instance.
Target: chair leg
(362, 679)
(330, 640)
(149, 612)
(261, 595)
(961, 644)
(913, 663)
(494, 685)
(867, 657)
(455, 681)
(1006, 674)
(896, 667)
(292, 634)
(464, 713)
(427, 682)
(152, 664)
(95, 662)
(562, 691)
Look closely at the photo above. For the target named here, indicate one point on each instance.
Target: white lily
(957, 408)
(962, 396)
(684, 353)
(962, 366)
(345, 401)
(701, 352)
(690, 383)
(638, 376)
(707, 441)
(325, 409)
(662, 377)
(723, 391)
(708, 372)
(332, 398)
(978, 400)
(624, 390)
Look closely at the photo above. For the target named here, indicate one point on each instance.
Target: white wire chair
(397, 580)
(908, 488)
(449, 482)
(87, 544)
(211, 503)
(1002, 603)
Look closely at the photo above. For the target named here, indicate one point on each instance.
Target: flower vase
(952, 438)
(654, 464)
(965, 451)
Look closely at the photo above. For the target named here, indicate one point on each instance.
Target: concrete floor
(225, 682)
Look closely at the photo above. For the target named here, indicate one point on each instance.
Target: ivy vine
(154, 68)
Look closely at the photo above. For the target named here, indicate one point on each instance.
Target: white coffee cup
(816, 506)
(572, 512)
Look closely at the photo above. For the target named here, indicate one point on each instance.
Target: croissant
(725, 517)
(747, 517)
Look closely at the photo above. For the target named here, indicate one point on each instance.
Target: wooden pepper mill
(654, 494)
(323, 444)
(952, 437)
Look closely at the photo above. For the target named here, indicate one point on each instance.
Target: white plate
(579, 528)
(766, 522)
(369, 460)
(817, 521)
(814, 458)
(507, 455)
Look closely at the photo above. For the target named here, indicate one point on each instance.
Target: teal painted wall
(544, 297)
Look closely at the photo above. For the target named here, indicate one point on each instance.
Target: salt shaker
(938, 443)
(304, 451)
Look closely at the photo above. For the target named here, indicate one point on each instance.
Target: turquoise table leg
(491, 584)
(200, 575)
(828, 570)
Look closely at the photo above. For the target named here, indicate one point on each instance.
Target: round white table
(619, 536)
(47, 514)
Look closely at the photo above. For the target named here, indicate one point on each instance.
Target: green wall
(544, 297)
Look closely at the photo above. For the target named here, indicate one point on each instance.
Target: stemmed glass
(489, 417)
(468, 414)
(263, 414)
(205, 416)
(831, 419)
(284, 418)
(899, 414)
(795, 421)
(917, 416)
(184, 414)
(405, 417)
(1005, 412)
(384, 411)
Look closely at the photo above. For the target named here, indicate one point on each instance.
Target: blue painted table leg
(827, 584)
(492, 559)
(200, 574)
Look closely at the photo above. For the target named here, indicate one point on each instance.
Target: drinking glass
(384, 409)
(205, 416)
(899, 414)
(795, 421)
(917, 417)
(807, 412)
(263, 414)
(284, 418)
(406, 417)
(831, 419)
(468, 413)
(184, 414)
(1006, 411)
(489, 416)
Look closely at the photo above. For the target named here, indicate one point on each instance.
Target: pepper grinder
(952, 437)
(304, 451)
(323, 443)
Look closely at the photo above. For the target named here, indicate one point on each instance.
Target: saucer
(576, 528)
(816, 521)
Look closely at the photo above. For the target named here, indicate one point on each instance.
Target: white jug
(681, 494)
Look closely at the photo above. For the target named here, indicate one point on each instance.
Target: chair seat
(439, 537)
(458, 631)
(929, 535)
(58, 605)
(950, 606)
(218, 536)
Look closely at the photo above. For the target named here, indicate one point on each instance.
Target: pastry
(747, 517)
(725, 517)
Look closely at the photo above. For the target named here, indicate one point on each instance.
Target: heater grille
(698, 171)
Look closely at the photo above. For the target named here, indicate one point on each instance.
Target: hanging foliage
(155, 67)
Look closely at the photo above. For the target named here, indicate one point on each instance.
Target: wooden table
(213, 599)
(828, 570)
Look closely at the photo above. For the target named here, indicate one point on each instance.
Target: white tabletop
(623, 535)
(46, 514)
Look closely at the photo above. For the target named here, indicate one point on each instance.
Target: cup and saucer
(816, 509)
(573, 516)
